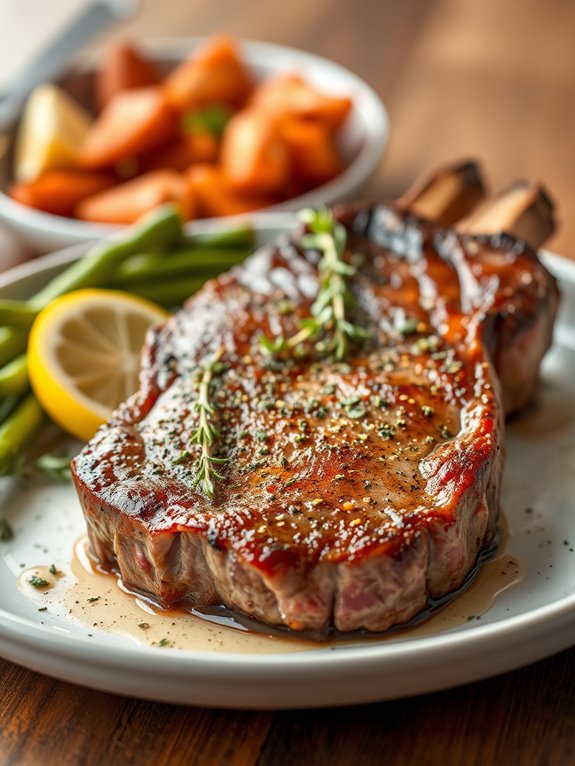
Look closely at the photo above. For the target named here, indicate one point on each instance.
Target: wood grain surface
(493, 79)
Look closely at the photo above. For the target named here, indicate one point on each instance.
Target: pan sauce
(97, 600)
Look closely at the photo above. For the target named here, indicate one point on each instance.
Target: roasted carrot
(126, 202)
(314, 155)
(291, 95)
(182, 152)
(216, 75)
(204, 147)
(59, 191)
(134, 122)
(254, 155)
(215, 196)
(124, 67)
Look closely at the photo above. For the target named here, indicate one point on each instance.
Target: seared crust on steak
(355, 491)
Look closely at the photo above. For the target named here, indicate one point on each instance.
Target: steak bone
(445, 195)
(523, 210)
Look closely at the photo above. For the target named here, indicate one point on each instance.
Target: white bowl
(363, 138)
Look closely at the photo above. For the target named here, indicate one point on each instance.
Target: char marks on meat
(355, 492)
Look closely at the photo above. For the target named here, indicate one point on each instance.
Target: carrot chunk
(204, 147)
(291, 95)
(59, 191)
(254, 155)
(314, 155)
(124, 67)
(182, 152)
(215, 196)
(126, 202)
(134, 121)
(216, 75)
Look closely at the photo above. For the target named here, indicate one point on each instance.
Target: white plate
(531, 620)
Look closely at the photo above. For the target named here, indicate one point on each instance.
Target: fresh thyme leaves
(411, 327)
(211, 119)
(327, 325)
(182, 457)
(206, 433)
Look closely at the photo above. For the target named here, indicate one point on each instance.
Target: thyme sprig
(206, 433)
(328, 311)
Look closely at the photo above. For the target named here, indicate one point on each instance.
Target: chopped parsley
(38, 582)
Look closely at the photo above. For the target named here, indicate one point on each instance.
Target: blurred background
(480, 78)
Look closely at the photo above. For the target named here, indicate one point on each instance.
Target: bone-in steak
(355, 491)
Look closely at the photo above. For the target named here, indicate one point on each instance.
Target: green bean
(239, 236)
(12, 343)
(161, 229)
(14, 377)
(7, 406)
(178, 263)
(170, 293)
(18, 430)
(16, 314)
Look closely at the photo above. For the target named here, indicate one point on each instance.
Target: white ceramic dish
(363, 139)
(531, 620)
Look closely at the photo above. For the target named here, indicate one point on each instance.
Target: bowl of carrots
(218, 127)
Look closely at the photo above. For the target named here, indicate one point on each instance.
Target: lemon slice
(84, 355)
(51, 132)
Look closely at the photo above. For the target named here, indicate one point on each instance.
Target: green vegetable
(18, 430)
(241, 235)
(205, 260)
(160, 229)
(12, 343)
(17, 314)
(172, 292)
(14, 377)
(7, 406)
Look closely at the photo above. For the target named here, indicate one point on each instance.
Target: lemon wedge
(51, 132)
(84, 355)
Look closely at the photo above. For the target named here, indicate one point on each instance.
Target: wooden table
(489, 79)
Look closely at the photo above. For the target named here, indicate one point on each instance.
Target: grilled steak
(356, 491)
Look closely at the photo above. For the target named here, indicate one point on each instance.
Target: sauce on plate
(97, 600)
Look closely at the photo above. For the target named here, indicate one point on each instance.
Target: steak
(358, 491)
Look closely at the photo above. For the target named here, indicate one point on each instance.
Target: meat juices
(355, 492)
